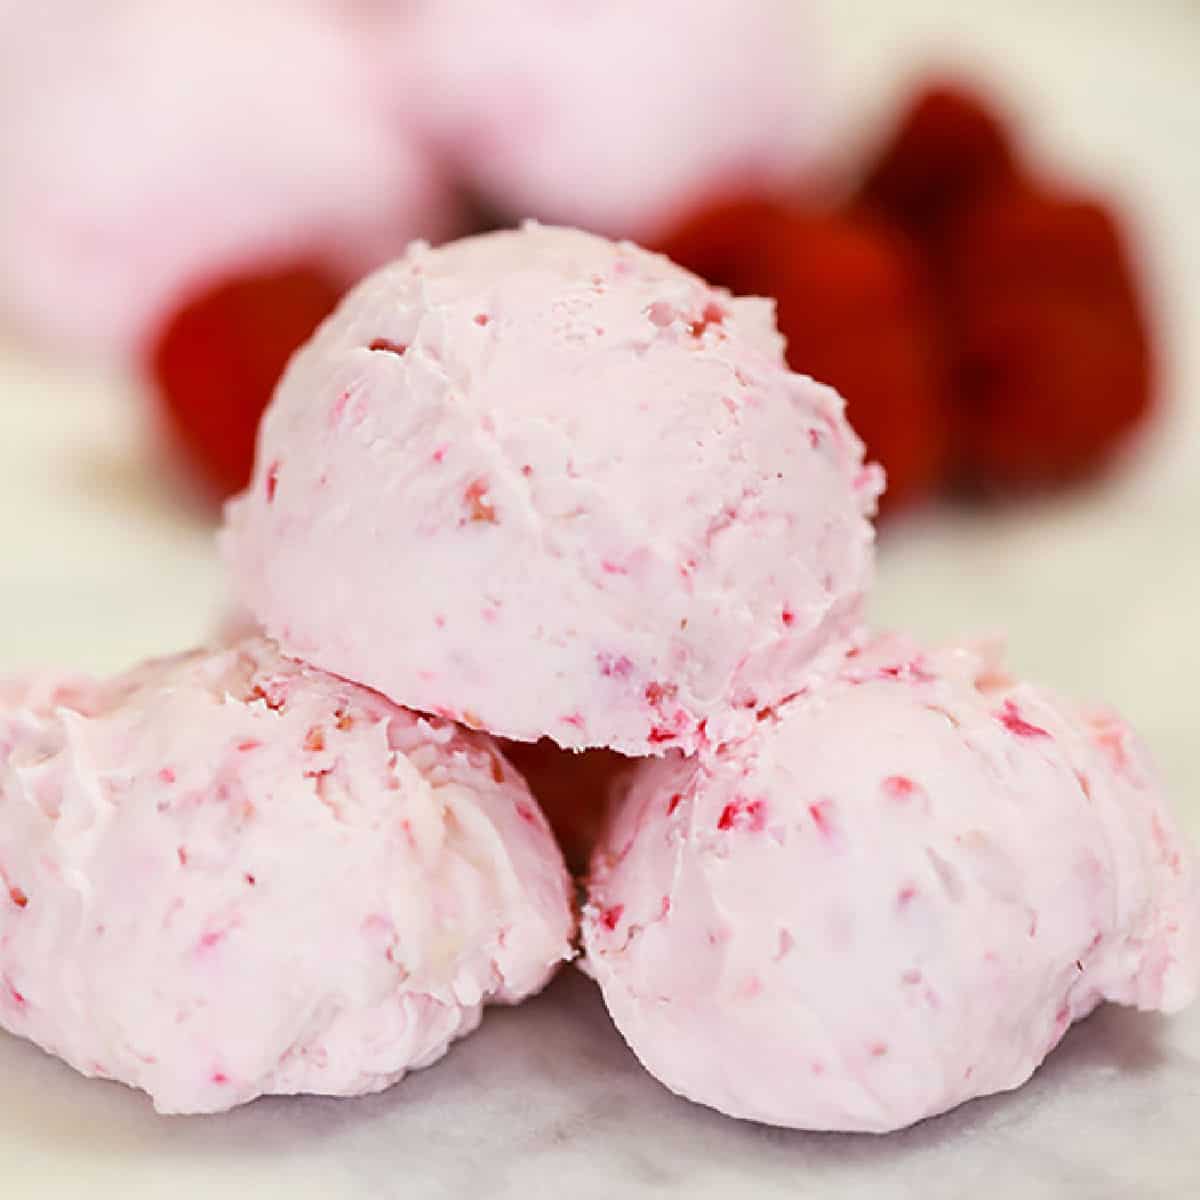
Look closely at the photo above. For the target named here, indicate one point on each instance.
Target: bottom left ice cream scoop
(227, 874)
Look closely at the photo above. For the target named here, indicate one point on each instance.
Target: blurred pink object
(145, 147)
(615, 116)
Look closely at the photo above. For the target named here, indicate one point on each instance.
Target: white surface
(1098, 592)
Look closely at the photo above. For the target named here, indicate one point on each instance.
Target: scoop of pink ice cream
(146, 148)
(227, 874)
(550, 485)
(616, 116)
(897, 894)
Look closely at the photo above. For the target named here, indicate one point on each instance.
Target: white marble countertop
(1098, 591)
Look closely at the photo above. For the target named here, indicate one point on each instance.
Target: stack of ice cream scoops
(539, 485)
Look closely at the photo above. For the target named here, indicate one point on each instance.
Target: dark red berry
(217, 357)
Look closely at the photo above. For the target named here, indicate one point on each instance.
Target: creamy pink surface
(226, 874)
(616, 116)
(546, 484)
(897, 894)
(147, 148)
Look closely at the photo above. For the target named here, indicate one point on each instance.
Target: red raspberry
(216, 359)
(735, 243)
(1054, 365)
(855, 308)
(950, 152)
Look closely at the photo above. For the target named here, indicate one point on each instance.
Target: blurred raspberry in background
(949, 152)
(216, 359)
(1043, 327)
(1053, 364)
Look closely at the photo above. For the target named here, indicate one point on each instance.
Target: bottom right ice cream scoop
(895, 895)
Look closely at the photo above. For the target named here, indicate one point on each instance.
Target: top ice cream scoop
(551, 485)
